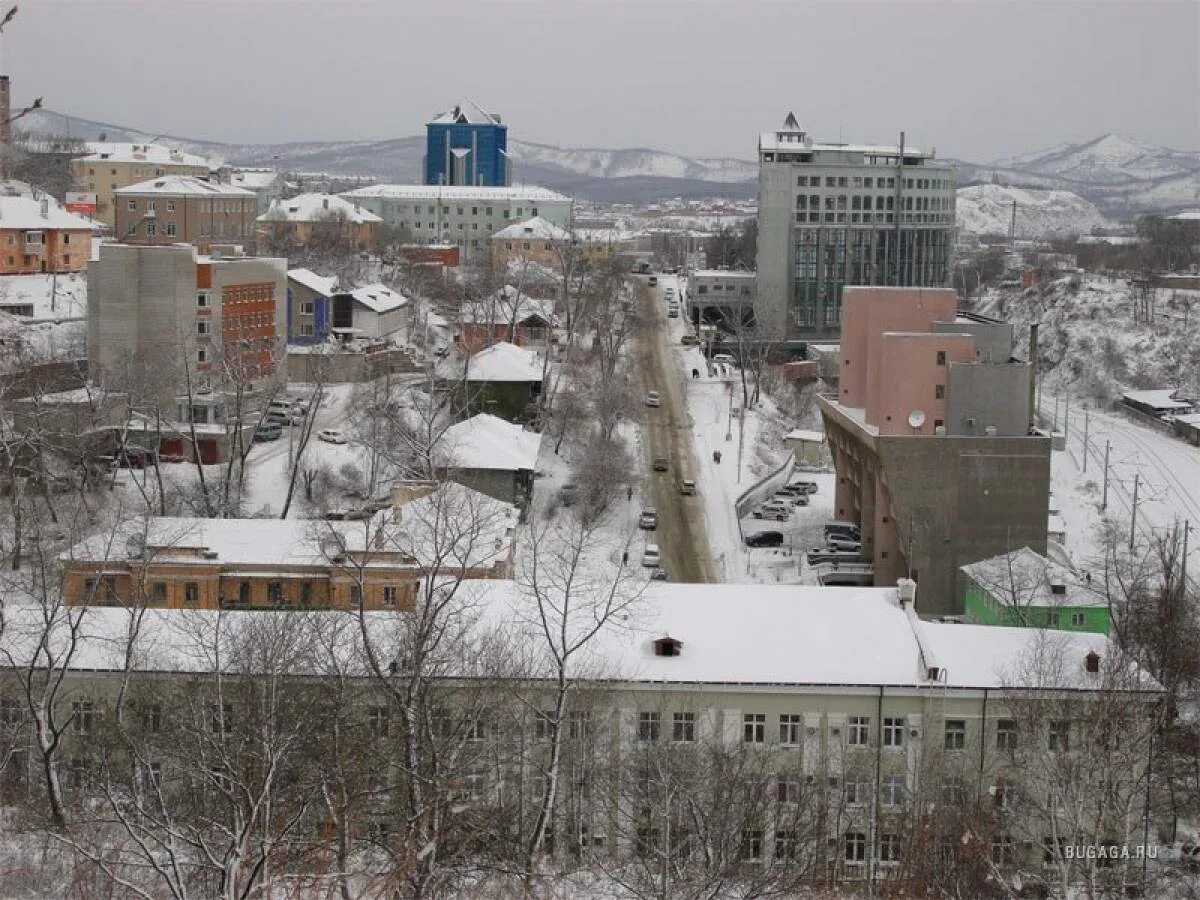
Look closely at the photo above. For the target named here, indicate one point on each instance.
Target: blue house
(467, 146)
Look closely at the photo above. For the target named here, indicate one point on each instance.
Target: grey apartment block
(831, 215)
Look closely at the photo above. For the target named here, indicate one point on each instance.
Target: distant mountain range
(1120, 175)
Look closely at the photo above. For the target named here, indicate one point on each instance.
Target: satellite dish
(916, 418)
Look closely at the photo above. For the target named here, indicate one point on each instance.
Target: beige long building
(108, 167)
(177, 209)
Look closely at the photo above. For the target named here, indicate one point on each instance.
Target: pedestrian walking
(625, 558)
(629, 492)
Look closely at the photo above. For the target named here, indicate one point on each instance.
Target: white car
(651, 558)
(331, 436)
(653, 398)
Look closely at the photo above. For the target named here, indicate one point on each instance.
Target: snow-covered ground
(1167, 471)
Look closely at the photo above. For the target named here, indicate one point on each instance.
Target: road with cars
(681, 534)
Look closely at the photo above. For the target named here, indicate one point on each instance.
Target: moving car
(651, 557)
(653, 398)
(689, 340)
(331, 436)
(765, 539)
(648, 520)
(269, 430)
(673, 312)
(652, 281)
(661, 464)
(659, 574)
(687, 487)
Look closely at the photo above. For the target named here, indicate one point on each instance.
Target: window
(754, 728)
(649, 726)
(856, 793)
(83, 716)
(893, 732)
(785, 844)
(389, 595)
(152, 718)
(202, 327)
(151, 229)
(474, 785)
(856, 847)
(131, 205)
(66, 238)
(191, 589)
(893, 790)
(1004, 797)
(306, 308)
(956, 734)
(220, 718)
(1002, 850)
(154, 775)
(889, 848)
(170, 206)
(953, 792)
(939, 392)
(356, 595)
(579, 725)
(1077, 619)
(542, 722)
(941, 357)
(790, 726)
(1060, 736)
(244, 593)
(752, 845)
(860, 731)
(1006, 735)
(477, 729)
(275, 591)
(158, 593)
(787, 790)
(683, 727)
(202, 300)
(306, 593)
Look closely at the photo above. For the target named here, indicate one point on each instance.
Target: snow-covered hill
(633, 163)
(987, 209)
(1110, 159)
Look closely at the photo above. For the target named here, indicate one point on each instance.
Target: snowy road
(1166, 469)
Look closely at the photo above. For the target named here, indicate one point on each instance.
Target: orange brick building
(40, 236)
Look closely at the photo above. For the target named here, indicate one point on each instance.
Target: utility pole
(1085, 440)
(1104, 502)
(1054, 427)
(1066, 418)
(1133, 516)
(1187, 527)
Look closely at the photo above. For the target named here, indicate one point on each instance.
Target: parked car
(650, 556)
(789, 498)
(821, 555)
(659, 574)
(765, 539)
(687, 487)
(661, 464)
(648, 520)
(652, 281)
(653, 398)
(689, 340)
(722, 358)
(846, 579)
(849, 529)
(769, 511)
(809, 487)
(673, 312)
(331, 436)
(268, 431)
(843, 543)
(172, 457)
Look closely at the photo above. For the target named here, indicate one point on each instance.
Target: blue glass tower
(467, 146)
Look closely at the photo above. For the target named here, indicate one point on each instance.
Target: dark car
(661, 464)
(765, 539)
(131, 457)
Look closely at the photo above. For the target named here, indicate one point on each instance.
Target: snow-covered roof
(26, 213)
(281, 542)
(786, 139)
(488, 442)
(799, 434)
(1188, 215)
(253, 179)
(740, 636)
(314, 208)
(506, 305)
(504, 362)
(156, 154)
(466, 113)
(1025, 578)
(378, 298)
(185, 186)
(454, 526)
(1163, 399)
(325, 286)
(455, 192)
(64, 297)
(535, 229)
(722, 273)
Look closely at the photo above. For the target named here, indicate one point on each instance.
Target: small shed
(1187, 427)
(807, 446)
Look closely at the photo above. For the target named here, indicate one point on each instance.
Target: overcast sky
(979, 80)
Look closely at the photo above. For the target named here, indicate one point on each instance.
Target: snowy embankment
(988, 209)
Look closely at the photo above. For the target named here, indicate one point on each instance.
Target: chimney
(45, 207)
(1033, 374)
(325, 202)
(5, 125)
(906, 590)
(1091, 662)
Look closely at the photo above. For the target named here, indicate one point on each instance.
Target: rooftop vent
(906, 590)
(668, 646)
(209, 554)
(1091, 662)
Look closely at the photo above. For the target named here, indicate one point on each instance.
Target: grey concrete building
(720, 296)
(165, 322)
(833, 214)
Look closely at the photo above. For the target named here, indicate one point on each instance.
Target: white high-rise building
(831, 215)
